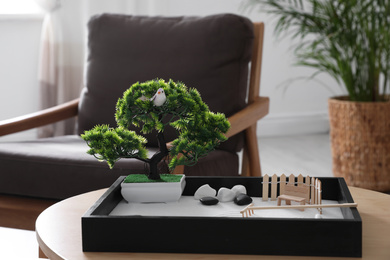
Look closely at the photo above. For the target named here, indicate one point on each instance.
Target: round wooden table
(58, 231)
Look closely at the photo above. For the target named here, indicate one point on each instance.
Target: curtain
(50, 75)
(62, 52)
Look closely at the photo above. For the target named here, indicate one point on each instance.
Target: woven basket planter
(360, 141)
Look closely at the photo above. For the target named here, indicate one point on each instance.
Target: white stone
(226, 195)
(204, 191)
(318, 216)
(237, 189)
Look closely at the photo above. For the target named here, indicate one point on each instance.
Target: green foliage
(199, 134)
(348, 39)
(108, 144)
(199, 130)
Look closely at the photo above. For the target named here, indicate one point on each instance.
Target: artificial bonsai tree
(156, 105)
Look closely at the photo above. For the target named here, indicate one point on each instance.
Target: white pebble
(204, 191)
(237, 189)
(226, 195)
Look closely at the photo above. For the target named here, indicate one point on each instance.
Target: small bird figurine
(159, 98)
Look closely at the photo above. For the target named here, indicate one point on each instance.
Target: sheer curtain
(63, 48)
(50, 75)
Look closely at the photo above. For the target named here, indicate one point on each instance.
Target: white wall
(298, 105)
(19, 45)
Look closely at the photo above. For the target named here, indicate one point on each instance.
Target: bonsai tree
(155, 105)
(347, 39)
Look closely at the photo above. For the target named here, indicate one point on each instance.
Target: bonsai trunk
(157, 157)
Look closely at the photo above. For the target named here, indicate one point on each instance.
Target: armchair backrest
(209, 53)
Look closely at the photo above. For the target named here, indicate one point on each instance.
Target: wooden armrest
(40, 118)
(248, 116)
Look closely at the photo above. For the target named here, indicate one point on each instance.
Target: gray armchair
(210, 53)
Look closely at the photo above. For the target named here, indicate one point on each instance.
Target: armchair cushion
(208, 53)
(59, 167)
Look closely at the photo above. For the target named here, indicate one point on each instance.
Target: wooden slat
(265, 187)
(315, 192)
(274, 186)
(320, 191)
(282, 184)
(319, 196)
(307, 183)
(291, 179)
(312, 193)
(300, 180)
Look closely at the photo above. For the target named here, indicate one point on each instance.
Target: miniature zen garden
(296, 200)
(155, 105)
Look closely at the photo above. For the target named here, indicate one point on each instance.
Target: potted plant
(154, 105)
(350, 41)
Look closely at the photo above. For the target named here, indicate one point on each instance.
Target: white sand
(187, 206)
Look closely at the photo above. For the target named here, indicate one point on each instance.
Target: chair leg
(253, 151)
(245, 168)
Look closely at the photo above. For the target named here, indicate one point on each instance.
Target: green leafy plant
(199, 130)
(348, 39)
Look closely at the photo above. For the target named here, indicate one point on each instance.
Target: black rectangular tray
(224, 235)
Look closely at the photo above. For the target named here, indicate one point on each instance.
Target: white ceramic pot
(153, 191)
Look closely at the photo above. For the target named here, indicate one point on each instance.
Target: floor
(306, 155)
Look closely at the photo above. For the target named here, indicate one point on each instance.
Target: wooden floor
(306, 155)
